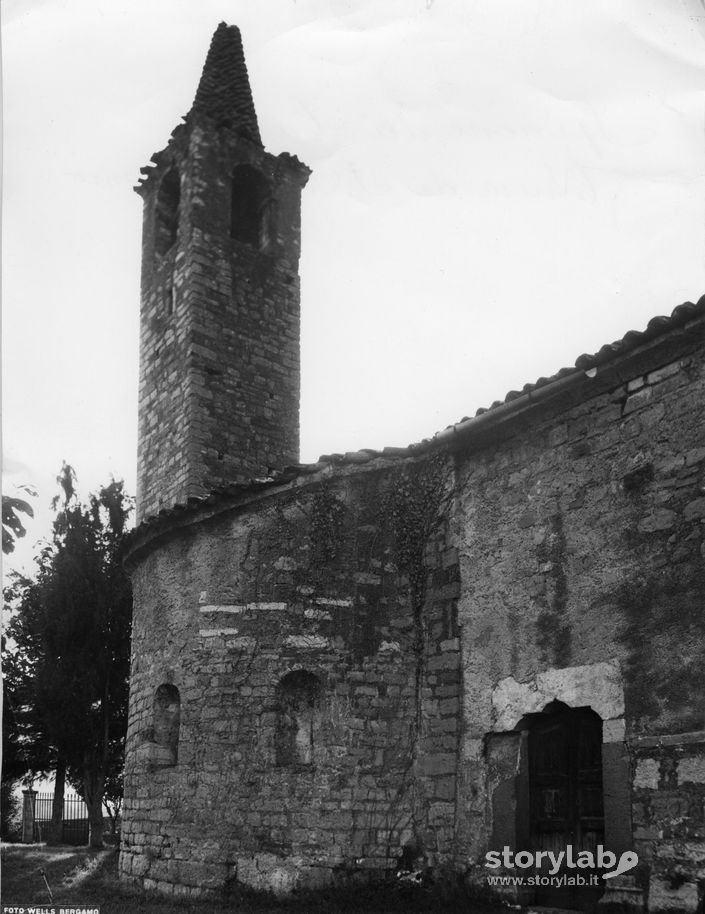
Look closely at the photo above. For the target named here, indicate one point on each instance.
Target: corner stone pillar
(28, 807)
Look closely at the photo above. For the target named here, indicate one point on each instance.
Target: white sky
(498, 186)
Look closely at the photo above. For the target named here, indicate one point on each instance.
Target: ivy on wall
(413, 511)
(413, 508)
(327, 526)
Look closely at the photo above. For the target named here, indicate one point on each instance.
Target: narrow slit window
(167, 719)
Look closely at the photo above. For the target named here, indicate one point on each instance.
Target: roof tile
(631, 340)
(224, 92)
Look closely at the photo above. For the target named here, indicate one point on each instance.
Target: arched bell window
(250, 211)
(166, 212)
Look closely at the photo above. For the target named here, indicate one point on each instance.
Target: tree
(13, 525)
(112, 798)
(71, 632)
(16, 738)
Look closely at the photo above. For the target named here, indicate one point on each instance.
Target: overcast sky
(498, 186)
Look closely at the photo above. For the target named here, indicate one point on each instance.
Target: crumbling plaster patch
(595, 685)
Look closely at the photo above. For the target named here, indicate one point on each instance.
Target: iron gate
(75, 822)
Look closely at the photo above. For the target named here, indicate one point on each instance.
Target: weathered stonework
(219, 347)
(582, 541)
(333, 579)
(669, 817)
(345, 670)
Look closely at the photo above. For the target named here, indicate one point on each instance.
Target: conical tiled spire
(224, 90)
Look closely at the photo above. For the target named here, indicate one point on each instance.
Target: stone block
(659, 519)
(443, 788)
(695, 456)
(695, 510)
(449, 706)
(452, 644)
(621, 895)
(637, 400)
(439, 813)
(648, 833)
(526, 519)
(437, 763)
(647, 773)
(613, 731)
(691, 770)
(443, 725)
(446, 661)
(668, 371)
(665, 896)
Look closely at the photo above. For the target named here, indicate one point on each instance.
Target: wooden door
(566, 808)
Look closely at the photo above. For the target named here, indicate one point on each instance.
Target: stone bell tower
(220, 311)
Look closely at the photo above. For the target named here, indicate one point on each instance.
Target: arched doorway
(566, 799)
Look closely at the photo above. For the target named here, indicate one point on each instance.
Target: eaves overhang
(638, 352)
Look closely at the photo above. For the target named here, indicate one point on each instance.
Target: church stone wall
(433, 603)
(583, 574)
(351, 580)
(332, 673)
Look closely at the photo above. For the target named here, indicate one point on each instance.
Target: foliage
(24, 745)
(67, 655)
(413, 506)
(327, 520)
(112, 798)
(10, 812)
(13, 524)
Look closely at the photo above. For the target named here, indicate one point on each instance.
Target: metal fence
(75, 823)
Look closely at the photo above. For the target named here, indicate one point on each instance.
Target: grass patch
(88, 877)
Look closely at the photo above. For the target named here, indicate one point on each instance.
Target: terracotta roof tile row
(633, 338)
(659, 326)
